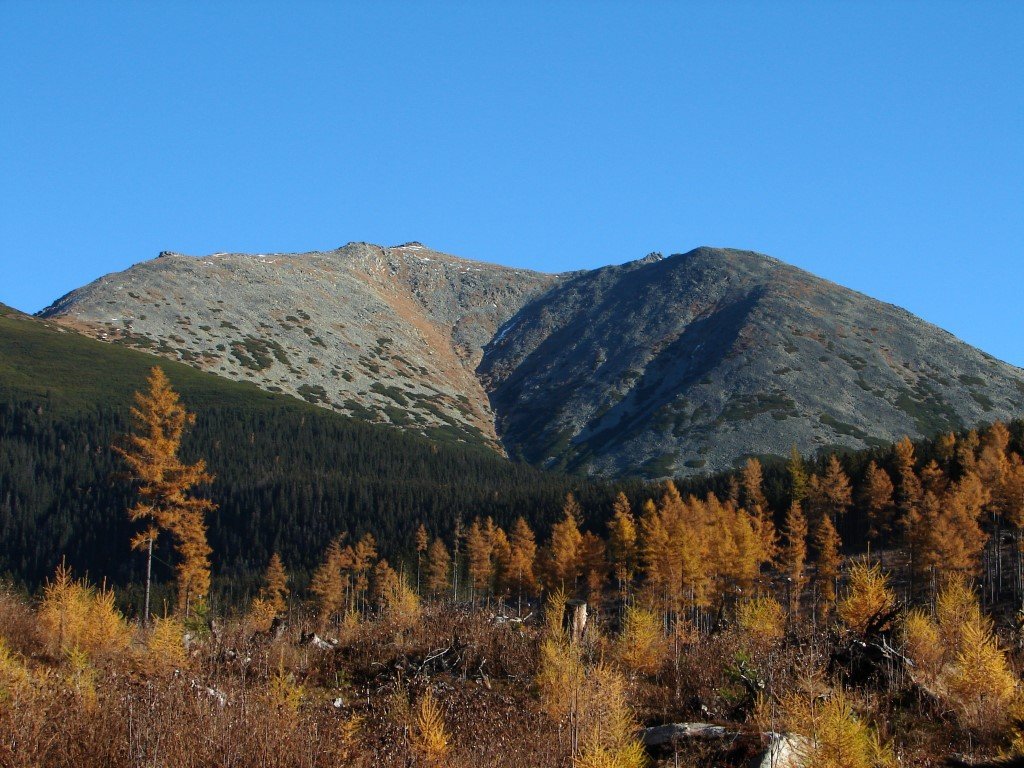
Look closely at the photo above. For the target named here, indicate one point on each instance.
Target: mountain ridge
(657, 366)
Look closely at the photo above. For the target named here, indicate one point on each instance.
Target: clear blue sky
(880, 145)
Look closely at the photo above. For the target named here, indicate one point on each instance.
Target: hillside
(289, 476)
(657, 367)
(386, 334)
(688, 363)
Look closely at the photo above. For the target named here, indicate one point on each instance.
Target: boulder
(785, 750)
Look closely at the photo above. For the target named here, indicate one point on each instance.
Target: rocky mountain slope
(691, 362)
(658, 366)
(385, 334)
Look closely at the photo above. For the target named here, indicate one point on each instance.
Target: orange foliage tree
(166, 501)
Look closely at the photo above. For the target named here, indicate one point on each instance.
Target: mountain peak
(650, 258)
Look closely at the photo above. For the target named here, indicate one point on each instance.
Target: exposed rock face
(658, 366)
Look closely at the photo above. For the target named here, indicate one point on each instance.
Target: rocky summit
(656, 367)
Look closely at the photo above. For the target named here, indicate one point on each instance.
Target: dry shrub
(867, 596)
(18, 623)
(1016, 715)
(81, 677)
(14, 676)
(641, 646)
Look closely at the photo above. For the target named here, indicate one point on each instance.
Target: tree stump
(574, 620)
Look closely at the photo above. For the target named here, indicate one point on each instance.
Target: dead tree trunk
(574, 620)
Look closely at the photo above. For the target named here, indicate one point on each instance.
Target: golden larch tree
(439, 568)
(622, 549)
(478, 554)
(328, 585)
(794, 553)
(275, 589)
(756, 503)
(501, 559)
(166, 500)
(593, 554)
(831, 494)
(565, 556)
(827, 561)
(876, 497)
(522, 577)
(358, 561)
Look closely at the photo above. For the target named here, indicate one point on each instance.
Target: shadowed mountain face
(655, 367)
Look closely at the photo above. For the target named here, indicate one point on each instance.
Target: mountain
(385, 334)
(691, 362)
(659, 366)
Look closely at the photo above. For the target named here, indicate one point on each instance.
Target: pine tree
(794, 553)
(165, 487)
